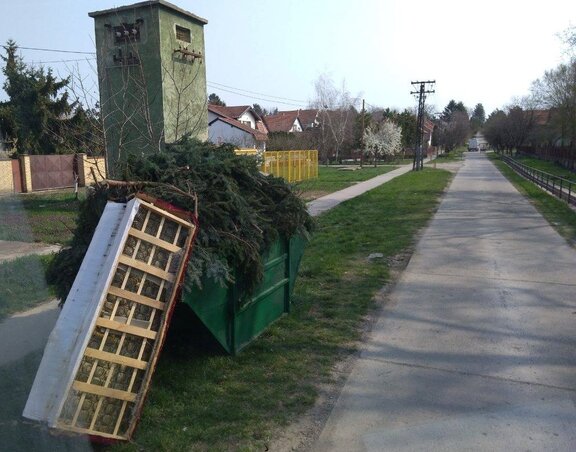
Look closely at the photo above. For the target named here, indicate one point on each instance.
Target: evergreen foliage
(241, 211)
(38, 103)
(214, 99)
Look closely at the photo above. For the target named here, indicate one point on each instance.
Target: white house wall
(248, 117)
(212, 116)
(221, 132)
(296, 127)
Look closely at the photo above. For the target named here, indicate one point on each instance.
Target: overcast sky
(486, 51)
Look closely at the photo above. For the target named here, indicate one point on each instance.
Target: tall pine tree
(478, 118)
(37, 105)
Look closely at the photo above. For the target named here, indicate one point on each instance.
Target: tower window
(126, 33)
(183, 34)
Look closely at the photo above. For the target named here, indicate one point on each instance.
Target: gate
(52, 171)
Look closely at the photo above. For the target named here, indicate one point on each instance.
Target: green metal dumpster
(234, 321)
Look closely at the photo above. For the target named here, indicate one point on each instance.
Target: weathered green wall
(185, 110)
(148, 96)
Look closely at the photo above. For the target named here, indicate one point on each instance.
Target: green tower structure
(152, 78)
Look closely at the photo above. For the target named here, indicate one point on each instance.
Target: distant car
(473, 145)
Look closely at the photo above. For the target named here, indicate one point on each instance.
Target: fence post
(80, 162)
(26, 173)
(276, 154)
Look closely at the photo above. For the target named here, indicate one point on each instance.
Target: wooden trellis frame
(107, 377)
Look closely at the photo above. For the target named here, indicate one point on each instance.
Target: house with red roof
(428, 129)
(292, 121)
(238, 125)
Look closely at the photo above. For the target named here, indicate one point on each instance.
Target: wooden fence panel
(17, 176)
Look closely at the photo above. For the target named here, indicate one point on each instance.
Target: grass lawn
(557, 212)
(331, 179)
(546, 166)
(47, 217)
(23, 284)
(202, 399)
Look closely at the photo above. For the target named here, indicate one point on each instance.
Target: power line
(215, 85)
(63, 61)
(211, 85)
(55, 50)
(260, 94)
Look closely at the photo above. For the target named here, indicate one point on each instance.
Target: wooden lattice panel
(113, 370)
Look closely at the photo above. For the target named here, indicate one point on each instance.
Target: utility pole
(362, 144)
(418, 163)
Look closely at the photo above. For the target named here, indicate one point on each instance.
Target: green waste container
(234, 324)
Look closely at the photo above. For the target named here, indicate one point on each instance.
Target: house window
(183, 34)
(247, 123)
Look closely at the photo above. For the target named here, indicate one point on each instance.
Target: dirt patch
(301, 434)
(13, 250)
(313, 194)
(453, 167)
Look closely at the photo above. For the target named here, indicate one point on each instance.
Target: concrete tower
(152, 77)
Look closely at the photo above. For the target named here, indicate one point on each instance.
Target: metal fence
(293, 166)
(558, 186)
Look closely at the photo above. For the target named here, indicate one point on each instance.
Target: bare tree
(454, 131)
(556, 90)
(337, 113)
(511, 128)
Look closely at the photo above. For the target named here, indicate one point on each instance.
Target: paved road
(477, 348)
(27, 332)
(321, 205)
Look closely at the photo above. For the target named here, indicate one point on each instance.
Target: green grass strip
(332, 179)
(23, 284)
(39, 217)
(547, 166)
(556, 212)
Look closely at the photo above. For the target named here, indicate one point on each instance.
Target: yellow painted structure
(294, 166)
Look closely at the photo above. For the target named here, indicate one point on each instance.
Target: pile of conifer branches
(241, 211)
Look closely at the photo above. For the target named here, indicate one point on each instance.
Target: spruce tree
(38, 102)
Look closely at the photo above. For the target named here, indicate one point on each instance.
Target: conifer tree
(37, 104)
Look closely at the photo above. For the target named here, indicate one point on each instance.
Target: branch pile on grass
(241, 211)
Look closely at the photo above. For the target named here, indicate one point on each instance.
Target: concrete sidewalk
(477, 348)
(321, 205)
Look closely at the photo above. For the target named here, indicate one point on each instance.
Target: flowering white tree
(383, 140)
